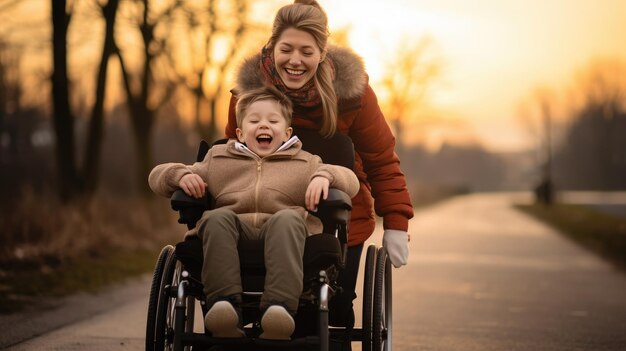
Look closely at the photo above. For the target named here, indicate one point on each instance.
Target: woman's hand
(397, 244)
(193, 185)
(317, 187)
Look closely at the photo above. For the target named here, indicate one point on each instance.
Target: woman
(330, 93)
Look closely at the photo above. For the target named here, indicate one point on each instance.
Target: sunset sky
(494, 52)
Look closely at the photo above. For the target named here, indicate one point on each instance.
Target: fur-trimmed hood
(350, 77)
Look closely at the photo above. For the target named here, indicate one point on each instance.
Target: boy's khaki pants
(284, 234)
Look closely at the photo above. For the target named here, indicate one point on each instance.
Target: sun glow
(376, 30)
(493, 52)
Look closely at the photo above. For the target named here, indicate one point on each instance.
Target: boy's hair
(267, 92)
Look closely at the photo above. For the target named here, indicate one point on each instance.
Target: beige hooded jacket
(253, 187)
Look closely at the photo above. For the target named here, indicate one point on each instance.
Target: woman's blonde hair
(309, 16)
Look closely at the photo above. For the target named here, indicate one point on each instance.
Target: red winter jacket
(376, 164)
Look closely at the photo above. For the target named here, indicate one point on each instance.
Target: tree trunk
(141, 115)
(68, 185)
(143, 119)
(211, 132)
(91, 163)
(199, 97)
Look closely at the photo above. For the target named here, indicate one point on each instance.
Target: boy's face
(263, 128)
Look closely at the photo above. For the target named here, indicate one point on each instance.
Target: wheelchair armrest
(189, 208)
(180, 201)
(335, 211)
(336, 199)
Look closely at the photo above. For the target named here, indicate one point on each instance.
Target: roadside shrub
(37, 229)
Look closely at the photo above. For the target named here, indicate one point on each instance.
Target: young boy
(263, 184)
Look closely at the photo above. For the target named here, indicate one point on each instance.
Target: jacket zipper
(256, 192)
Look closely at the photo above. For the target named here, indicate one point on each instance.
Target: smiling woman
(336, 99)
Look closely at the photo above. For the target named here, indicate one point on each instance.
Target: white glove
(397, 244)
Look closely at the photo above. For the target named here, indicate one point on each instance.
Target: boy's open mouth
(264, 139)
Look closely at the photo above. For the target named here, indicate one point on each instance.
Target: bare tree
(407, 78)
(536, 115)
(91, 162)
(67, 175)
(544, 191)
(213, 36)
(143, 99)
(72, 181)
(593, 155)
(603, 82)
(10, 92)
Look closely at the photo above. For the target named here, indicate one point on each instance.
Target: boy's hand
(193, 185)
(317, 187)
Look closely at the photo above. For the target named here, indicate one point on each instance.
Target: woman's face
(296, 57)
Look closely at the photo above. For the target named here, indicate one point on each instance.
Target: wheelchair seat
(321, 251)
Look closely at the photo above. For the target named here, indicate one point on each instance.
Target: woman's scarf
(306, 96)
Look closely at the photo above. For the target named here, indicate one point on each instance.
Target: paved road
(111, 320)
(485, 277)
(482, 276)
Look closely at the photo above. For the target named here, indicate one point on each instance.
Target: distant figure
(544, 192)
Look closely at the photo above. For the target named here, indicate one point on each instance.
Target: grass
(27, 285)
(601, 233)
(51, 249)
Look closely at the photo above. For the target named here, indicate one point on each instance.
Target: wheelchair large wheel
(155, 290)
(382, 312)
(164, 326)
(368, 297)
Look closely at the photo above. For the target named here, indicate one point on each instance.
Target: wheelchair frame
(173, 292)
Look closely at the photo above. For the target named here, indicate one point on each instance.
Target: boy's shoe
(277, 324)
(223, 321)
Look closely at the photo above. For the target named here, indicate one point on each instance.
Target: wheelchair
(176, 285)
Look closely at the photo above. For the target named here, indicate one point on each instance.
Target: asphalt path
(481, 276)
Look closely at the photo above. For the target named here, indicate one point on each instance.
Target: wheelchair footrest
(243, 344)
